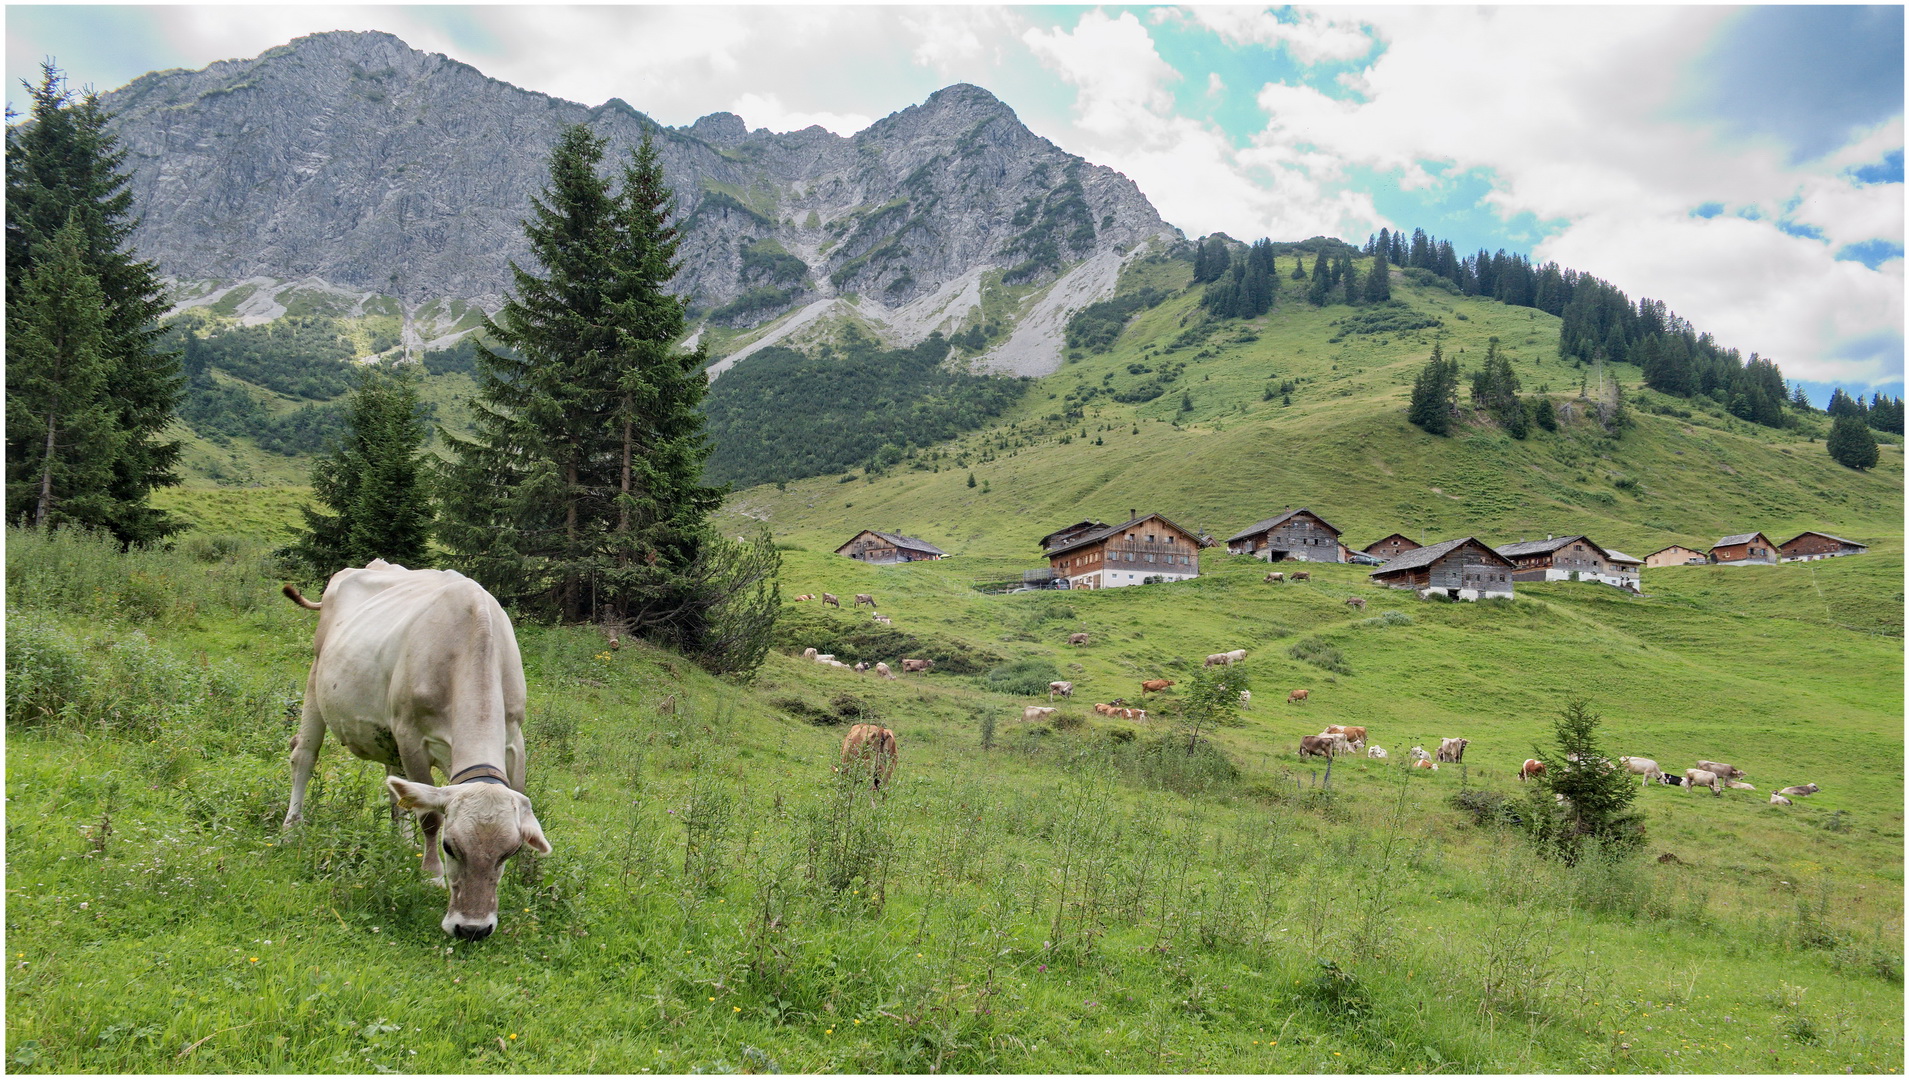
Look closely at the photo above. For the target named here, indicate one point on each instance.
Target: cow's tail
(296, 597)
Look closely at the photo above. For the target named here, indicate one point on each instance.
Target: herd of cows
(419, 670)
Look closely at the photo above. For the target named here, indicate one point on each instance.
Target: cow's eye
(451, 851)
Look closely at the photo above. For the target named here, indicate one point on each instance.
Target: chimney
(1131, 514)
(1547, 536)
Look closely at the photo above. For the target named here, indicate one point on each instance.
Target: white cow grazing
(1644, 767)
(1033, 713)
(1696, 778)
(1377, 752)
(1246, 698)
(1064, 689)
(416, 669)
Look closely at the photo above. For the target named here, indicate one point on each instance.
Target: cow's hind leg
(305, 744)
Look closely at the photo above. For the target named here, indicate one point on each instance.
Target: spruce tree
(1349, 276)
(61, 431)
(1378, 282)
(1850, 443)
(1321, 281)
(1595, 816)
(1433, 394)
(64, 167)
(580, 492)
(374, 483)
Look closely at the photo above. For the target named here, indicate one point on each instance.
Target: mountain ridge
(352, 163)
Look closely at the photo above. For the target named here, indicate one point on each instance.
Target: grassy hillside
(1079, 895)
(1342, 447)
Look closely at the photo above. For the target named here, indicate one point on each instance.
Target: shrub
(1596, 814)
(1023, 678)
(1486, 807)
(1320, 654)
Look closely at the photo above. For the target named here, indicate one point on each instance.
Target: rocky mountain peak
(349, 159)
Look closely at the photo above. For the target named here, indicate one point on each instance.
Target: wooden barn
(1463, 569)
(1062, 536)
(1300, 535)
(1754, 548)
(1392, 546)
(1144, 549)
(1809, 546)
(1675, 555)
(1571, 558)
(870, 546)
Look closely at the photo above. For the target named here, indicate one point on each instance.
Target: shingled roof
(1426, 556)
(1824, 535)
(1539, 547)
(1274, 522)
(1618, 556)
(1740, 538)
(901, 541)
(1101, 534)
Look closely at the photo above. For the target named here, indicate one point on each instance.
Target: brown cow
(1532, 767)
(1356, 601)
(1103, 708)
(1077, 639)
(1298, 695)
(805, 596)
(829, 598)
(1421, 763)
(863, 598)
(916, 665)
(873, 747)
(1724, 772)
(1275, 578)
(1302, 575)
(1352, 734)
(1316, 745)
(1152, 685)
(884, 671)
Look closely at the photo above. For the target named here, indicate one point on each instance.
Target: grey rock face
(352, 158)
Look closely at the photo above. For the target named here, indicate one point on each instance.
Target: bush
(1023, 678)
(1163, 762)
(1486, 807)
(1595, 816)
(1320, 654)
(857, 640)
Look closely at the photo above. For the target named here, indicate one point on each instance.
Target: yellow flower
(712, 999)
(255, 959)
(858, 1022)
(828, 1031)
(513, 1035)
(738, 1008)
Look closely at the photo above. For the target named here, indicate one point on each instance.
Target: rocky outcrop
(355, 161)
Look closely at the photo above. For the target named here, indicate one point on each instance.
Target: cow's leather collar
(492, 775)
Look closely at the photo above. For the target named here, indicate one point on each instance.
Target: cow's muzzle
(469, 931)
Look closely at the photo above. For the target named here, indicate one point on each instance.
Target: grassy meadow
(1079, 895)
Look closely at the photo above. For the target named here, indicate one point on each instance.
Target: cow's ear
(416, 797)
(533, 832)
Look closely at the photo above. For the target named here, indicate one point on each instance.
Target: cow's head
(483, 824)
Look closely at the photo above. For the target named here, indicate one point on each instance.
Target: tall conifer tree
(64, 168)
(581, 491)
(374, 483)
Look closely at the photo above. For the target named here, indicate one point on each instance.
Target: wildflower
(738, 1008)
(712, 999)
(255, 959)
(513, 1035)
(858, 1023)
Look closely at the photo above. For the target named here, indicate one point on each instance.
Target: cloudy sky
(1744, 165)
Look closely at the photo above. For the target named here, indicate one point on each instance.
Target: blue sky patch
(1886, 171)
(1452, 209)
(1808, 232)
(1707, 210)
(1871, 253)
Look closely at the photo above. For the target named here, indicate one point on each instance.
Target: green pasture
(1078, 895)
(1342, 447)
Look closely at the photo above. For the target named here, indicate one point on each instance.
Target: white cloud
(1311, 36)
(1215, 86)
(1124, 118)
(1586, 136)
(767, 111)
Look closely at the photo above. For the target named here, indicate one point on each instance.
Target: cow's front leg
(417, 769)
(305, 744)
